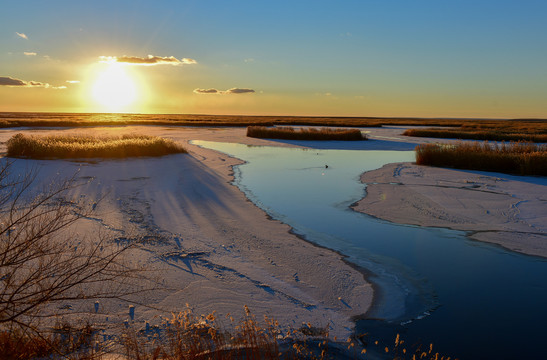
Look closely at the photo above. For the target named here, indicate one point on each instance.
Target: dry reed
(186, 336)
(289, 133)
(472, 133)
(62, 342)
(514, 158)
(68, 147)
(18, 119)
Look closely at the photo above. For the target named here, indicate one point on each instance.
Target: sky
(411, 58)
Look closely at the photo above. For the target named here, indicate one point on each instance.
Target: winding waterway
(471, 300)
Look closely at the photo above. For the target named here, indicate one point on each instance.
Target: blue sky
(361, 58)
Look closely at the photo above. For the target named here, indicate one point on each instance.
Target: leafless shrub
(40, 269)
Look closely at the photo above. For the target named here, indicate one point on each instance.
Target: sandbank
(510, 211)
(210, 248)
(507, 210)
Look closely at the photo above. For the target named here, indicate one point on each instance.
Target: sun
(114, 89)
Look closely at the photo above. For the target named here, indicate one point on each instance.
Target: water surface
(469, 299)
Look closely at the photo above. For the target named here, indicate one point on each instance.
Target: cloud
(12, 82)
(7, 81)
(206, 91)
(221, 92)
(73, 81)
(239, 91)
(148, 61)
(29, 53)
(21, 35)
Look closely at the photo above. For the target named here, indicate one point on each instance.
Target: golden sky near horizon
(311, 58)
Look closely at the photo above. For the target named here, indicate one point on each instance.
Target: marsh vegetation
(69, 147)
(513, 158)
(191, 337)
(521, 130)
(290, 133)
(21, 119)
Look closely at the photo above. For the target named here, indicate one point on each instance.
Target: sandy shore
(506, 210)
(510, 211)
(210, 247)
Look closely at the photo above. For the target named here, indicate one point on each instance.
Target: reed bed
(187, 336)
(290, 133)
(468, 132)
(76, 147)
(513, 158)
(22, 119)
(191, 337)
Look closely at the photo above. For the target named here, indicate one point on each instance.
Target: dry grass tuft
(187, 336)
(514, 158)
(70, 147)
(289, 133)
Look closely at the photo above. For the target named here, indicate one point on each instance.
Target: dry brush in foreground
(45, 269)
(69, 147)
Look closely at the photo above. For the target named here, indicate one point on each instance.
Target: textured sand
(510, 211)
(210, 247)
(215, 250)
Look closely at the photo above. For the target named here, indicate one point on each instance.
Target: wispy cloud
(239, 91)
(27, 53)
(12, 82)
(224, 92)
(21, 35)
(206, 91)
(73, 81)
(148, 61)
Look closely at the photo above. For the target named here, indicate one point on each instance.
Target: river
(470, 300)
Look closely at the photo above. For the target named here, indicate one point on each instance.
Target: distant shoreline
(45, 119)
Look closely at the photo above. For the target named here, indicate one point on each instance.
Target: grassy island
(513, 158)
(73, 147)
(290, 133)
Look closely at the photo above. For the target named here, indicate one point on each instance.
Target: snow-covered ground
(213, 249)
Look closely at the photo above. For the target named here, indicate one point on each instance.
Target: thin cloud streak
(29, 53)
(12, 82)
(22, 35)
(226, 92)
(151, 60)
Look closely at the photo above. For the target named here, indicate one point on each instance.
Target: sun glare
(114, 90)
